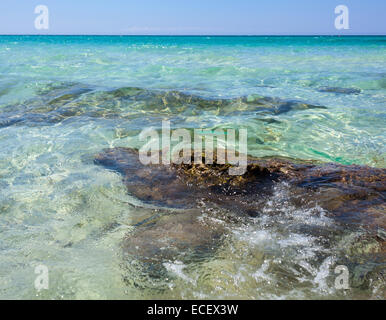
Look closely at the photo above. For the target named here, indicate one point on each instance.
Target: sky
(194, 17)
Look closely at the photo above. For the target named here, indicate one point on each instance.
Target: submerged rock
(334, 186)
(340, 90)
(353, 195)
(164, 237)
(60, 102)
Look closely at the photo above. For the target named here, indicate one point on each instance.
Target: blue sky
(192, 17)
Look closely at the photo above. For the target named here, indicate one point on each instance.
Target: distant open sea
(60, 105)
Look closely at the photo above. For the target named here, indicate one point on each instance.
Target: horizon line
(199, 35)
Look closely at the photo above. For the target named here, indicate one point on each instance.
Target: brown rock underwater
(354, 196)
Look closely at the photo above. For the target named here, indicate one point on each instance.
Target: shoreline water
(65, 99)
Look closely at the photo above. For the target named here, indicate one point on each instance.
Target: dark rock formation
(354, 195)
(340, 90)
(60, 102)
(337, 188)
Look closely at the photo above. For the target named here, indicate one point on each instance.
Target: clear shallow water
(59, 106)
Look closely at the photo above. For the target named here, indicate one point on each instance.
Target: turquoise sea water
(60, 105)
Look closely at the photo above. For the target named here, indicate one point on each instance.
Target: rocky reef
(341, 189)
(354, 196)
(64, 101)
(355, 192)
(340, 90)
